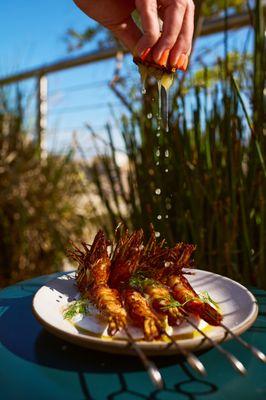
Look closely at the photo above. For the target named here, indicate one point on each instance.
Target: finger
(116, 16)
(173, 17)
(150, 24)
(127, 32)
(182, 48)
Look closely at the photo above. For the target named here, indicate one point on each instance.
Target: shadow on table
(22, 335)
(53, 352)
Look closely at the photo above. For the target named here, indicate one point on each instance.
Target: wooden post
(41, 120)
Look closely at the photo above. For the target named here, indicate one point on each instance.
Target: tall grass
(216, 184)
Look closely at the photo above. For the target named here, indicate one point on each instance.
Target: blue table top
(36, 365)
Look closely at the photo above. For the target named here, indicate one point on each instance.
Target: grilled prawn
(92, 277)
(125, 258)
(161, 301)
(186, 295)
(125, 261)
(141, 313)
(108, 301)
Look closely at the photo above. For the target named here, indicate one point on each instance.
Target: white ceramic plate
(237, 304)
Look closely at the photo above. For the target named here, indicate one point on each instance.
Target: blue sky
(31, 31)
(31, 34)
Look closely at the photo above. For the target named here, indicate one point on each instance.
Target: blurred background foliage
(39, 201)
(213, 194)
(216, 7)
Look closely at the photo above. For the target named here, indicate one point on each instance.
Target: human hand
(171, 46)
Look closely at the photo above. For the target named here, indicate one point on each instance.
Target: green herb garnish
(172, 304)
(139, 281)
(77, 307)
(203, 296)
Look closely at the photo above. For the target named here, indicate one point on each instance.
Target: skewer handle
(191, 358)
(256, 352)
(237, 365)
(150, 367)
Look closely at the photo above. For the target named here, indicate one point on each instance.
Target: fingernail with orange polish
(144, 54)
(184, 67)
(181, 61)
(164, 58)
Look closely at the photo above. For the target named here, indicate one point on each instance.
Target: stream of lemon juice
(164, 80)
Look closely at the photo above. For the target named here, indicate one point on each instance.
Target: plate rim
(158, 347)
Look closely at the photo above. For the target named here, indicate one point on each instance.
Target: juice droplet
(159, 99)
(159, 217)
(166, 153)
(168, 206)
(167, 264)
(157, 234)
(157, 153)
(167, 111)
(144, 91)
(167, 216)
(166, 170)
(158, 134)
(149, 116)
(158, 163)
(158, 191)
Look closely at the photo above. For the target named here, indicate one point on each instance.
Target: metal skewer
(150, 367)
(237, 365)
(191, 358)
(256, 352)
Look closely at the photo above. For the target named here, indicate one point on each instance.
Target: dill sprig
(77, 307)
(203, 296)
(172, 303)
(139, 281)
